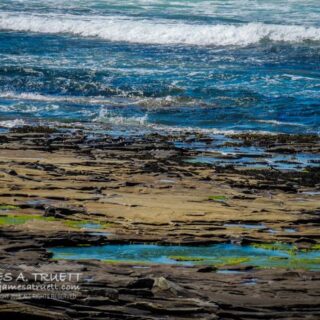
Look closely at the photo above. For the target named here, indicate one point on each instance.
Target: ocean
(212, 66)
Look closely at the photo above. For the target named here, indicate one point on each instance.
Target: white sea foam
(178, 129)
(29, 96)
(281, 123)
(12, 123)
(157, 31)
(26, 96)
(122, 100)
(50, 98)
(107, 116)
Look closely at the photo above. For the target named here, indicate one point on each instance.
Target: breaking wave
(12, 123)
(107, 116)
(280, 123)
(157, 31)
(122, 100)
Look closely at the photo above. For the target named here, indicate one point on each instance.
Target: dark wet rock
(145, 293)
(61, 212)
(131, 184)
(178, 309)
(12, 172)
(3, 139)
(207, 269)
(305, 243)
(269, 140)
(306, 240)
(110, 293)
(73, 239)
(287, 150)
(144, 283)
(242, 197)
(33, 129)
(16, 311)
(274, 179)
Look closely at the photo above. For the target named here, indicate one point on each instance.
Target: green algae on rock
(22, 219)
(219, 198)
(85, 224)
(8, 207)
(184, 258)
(226, 261)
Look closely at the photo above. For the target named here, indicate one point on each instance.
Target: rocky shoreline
(143, 189)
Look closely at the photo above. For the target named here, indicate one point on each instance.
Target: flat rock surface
(141, 190)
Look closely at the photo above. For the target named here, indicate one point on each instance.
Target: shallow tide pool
(264, 256)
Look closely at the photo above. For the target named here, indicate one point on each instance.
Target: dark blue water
(162, 65)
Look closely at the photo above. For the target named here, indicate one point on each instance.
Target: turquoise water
(218, 66)
(219, 255)
(90, 225)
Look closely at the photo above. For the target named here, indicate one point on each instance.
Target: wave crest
(12, 123)
(157, 32)
(107, 116)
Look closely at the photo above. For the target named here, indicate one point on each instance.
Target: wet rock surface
(77, 188)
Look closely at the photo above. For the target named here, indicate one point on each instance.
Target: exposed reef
(79, 188)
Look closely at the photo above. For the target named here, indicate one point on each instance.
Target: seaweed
(185, 258)
(218, 198)
(8, 207)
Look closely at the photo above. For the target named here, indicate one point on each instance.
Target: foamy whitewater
(157, 32)
(215, 66)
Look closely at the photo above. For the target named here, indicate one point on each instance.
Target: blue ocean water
(217, 66)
